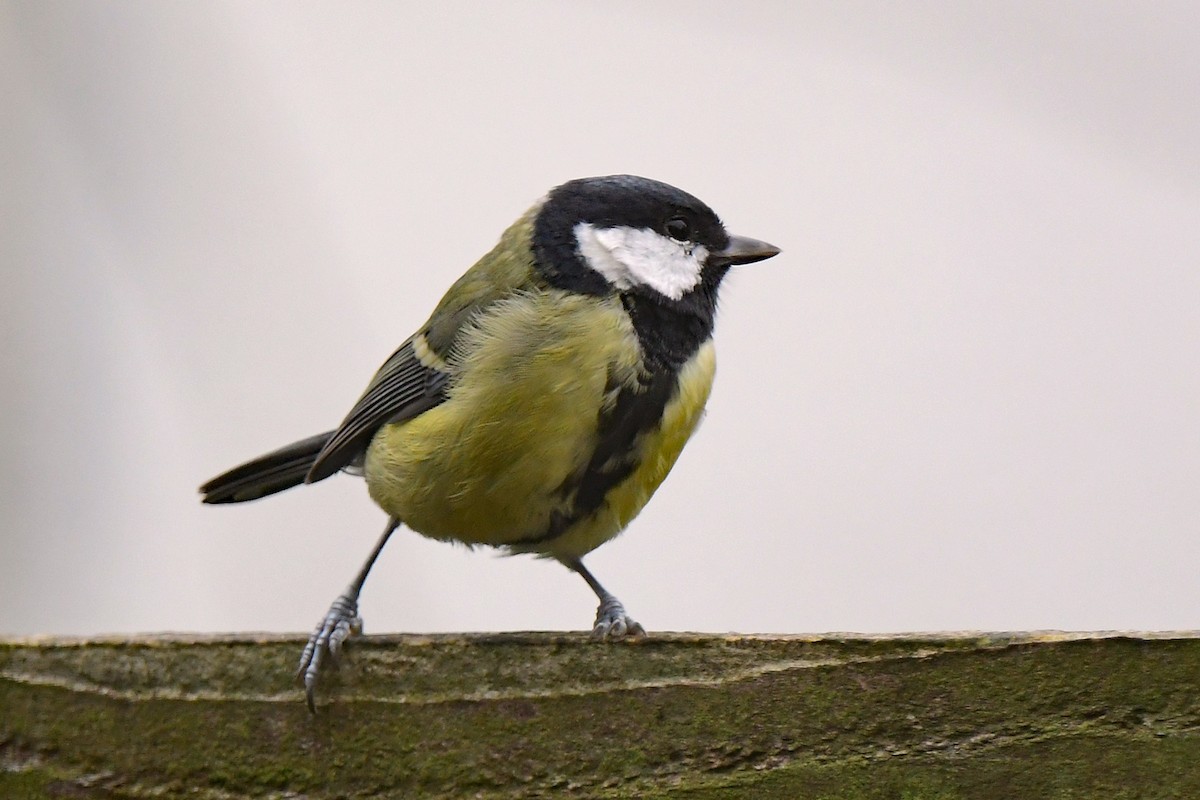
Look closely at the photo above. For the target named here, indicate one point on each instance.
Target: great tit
(546, 398)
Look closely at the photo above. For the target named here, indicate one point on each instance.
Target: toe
(341, 631)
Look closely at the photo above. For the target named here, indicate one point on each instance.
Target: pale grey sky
(967, 395)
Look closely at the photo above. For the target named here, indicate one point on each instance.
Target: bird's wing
(413, 380)
(416, 377)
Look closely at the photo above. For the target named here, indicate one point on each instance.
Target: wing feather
(402, 388)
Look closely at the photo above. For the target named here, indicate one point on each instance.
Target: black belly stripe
(670, 332)
(637, 410)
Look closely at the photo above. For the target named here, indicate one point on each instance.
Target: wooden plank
(556, 715)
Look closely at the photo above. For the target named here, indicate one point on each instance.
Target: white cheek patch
(629, 257)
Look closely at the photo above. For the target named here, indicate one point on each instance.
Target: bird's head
(632, 235)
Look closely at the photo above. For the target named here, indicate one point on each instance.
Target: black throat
(671, 331)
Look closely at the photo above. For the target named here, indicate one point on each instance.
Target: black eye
(678, 229)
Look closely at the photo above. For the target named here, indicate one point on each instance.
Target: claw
(310, 686)
(328, 637)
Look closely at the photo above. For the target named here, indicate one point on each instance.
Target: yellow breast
(520, 420)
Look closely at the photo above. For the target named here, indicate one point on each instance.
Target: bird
(545, 399)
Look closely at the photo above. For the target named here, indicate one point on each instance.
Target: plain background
(967, 395)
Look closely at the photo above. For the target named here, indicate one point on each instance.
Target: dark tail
(278, 470)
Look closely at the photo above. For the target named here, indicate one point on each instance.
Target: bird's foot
(613, 623)
(326, 640)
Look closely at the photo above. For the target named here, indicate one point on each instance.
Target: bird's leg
(611, 620)
(339, 623)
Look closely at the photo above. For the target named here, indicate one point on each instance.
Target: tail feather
(278, 470)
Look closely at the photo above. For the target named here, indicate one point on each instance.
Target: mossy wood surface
(554, 715)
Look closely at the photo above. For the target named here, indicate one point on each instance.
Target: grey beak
(744, 250)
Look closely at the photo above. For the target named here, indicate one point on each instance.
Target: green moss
(1070, 769)
(31, 785)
